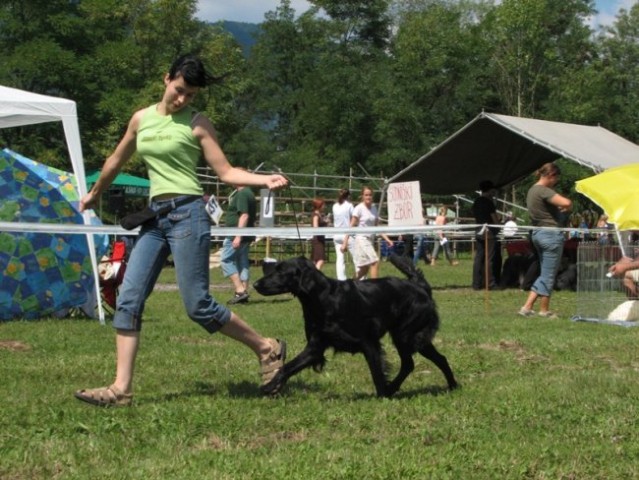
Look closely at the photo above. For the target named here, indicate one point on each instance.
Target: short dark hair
(192, 71)
(344, 193)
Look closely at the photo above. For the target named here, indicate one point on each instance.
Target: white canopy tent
(19, 108)
(505, 149)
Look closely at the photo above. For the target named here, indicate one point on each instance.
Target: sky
(252, 11)
(608, 10)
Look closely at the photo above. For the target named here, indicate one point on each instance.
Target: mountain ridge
(244, 33)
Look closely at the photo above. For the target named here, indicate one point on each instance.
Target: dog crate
(600, 297)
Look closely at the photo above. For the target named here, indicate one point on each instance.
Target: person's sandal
(105, 396)
(239, 297)
(548, 314)
(274, 361)
(524, 312)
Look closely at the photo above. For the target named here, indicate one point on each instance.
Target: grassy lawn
(540, 398)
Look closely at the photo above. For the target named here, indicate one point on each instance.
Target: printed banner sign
(405, 204)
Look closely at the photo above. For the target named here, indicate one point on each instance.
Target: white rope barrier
(460, 231)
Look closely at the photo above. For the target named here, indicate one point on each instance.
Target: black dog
(353, 316)
(519, 270)
(567, 278)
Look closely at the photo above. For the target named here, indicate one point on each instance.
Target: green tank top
(170, 151)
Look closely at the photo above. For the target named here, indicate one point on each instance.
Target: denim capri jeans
(550, 247)
(185, 233)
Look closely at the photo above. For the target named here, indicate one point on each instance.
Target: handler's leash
(297, 227)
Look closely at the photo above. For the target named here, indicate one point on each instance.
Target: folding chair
(111, 270)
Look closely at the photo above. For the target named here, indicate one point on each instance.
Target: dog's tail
(405, 265)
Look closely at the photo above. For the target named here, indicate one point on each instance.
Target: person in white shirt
(364, 254)
(342, 213)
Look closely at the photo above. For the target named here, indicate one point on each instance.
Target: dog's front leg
(311, 356)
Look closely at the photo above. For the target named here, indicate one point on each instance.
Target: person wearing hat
(488, 254)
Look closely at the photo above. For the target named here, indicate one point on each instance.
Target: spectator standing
(234, 258)
(318, 242)
(547, 208)
(488, 255)
(342, 213)
(422, 249)
(365, 215)
(602, 224)
(441, 239)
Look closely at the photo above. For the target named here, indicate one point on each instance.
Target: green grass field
(540, 398)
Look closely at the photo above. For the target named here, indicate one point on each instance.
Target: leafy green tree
(363, 23)
(439, 73)
(311, 83)
(274, 77)
(532, 42)
(35, 41)
(110, 57)
(135, 41)
(616, 74)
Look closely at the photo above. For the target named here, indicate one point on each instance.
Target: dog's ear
(268, 265)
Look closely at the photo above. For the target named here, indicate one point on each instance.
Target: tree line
(367, 83)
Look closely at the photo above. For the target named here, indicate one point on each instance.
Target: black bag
(136, 219)
(139, 218)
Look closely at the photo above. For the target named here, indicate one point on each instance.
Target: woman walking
(172, 137)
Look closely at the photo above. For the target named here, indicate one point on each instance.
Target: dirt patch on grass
(214, 442)
(14, 346)
(276, 439)
(516, 348)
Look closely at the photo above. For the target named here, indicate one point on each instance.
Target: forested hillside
(244, 33)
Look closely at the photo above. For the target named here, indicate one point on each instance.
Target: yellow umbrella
(616, 191)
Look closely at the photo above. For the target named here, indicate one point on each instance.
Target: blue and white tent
(20, 108)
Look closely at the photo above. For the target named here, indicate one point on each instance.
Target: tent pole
(486, 291)
(486, 257)
(621, 247)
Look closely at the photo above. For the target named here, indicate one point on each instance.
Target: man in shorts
(235, 250)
